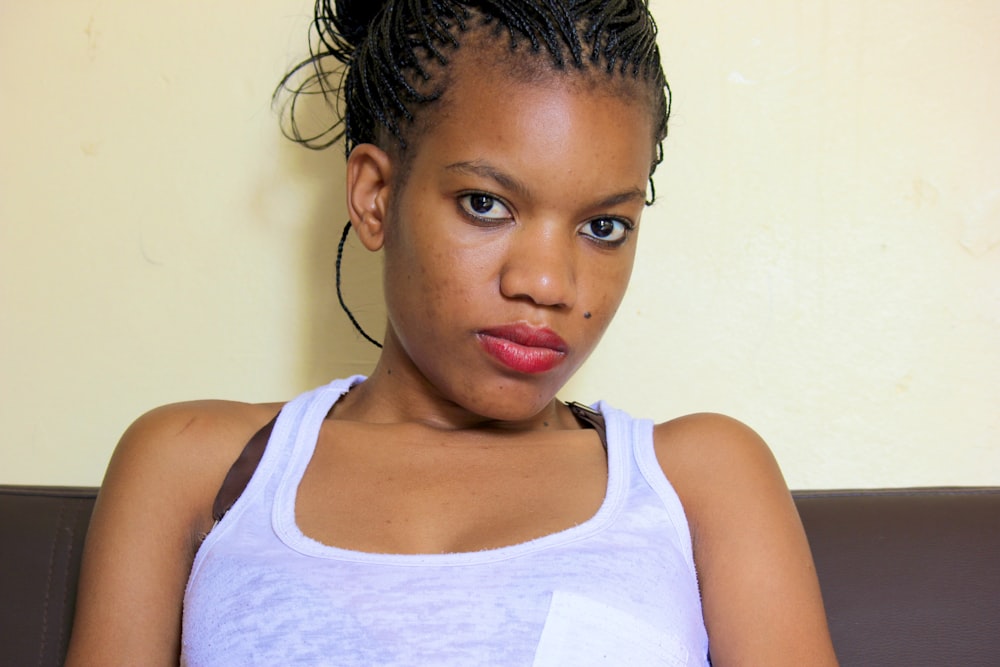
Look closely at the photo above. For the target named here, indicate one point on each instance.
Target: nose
(540, 266)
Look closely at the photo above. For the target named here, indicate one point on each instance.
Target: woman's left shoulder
(725, 476)
(708, 454)
(760, 596)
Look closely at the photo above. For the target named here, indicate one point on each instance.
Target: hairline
(509, 61)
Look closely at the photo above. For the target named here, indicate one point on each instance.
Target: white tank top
(618, 589)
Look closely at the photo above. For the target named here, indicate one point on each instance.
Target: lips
(524, 348)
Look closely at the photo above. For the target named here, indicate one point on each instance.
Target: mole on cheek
(586, 315)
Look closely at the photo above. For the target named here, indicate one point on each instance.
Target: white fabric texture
(618, 589)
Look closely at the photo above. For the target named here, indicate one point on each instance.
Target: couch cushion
(910, 577)
(41, 538)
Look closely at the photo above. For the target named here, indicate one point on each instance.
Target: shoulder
(717, 465)
(154, 506)
(195, 432)
(181, 453)
(706, 432)
(760, 596)
(194, 428)
(712, 450)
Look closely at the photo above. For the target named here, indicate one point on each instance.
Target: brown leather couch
(910, 577)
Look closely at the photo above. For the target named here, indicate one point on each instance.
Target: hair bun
(353, 18)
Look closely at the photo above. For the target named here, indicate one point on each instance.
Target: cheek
(441, 282)
(605, 291)
(430, 279)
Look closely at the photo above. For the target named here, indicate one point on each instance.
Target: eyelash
(465, 206)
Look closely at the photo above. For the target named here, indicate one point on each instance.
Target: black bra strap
(590, 418)
(241, 471)
(243, 468)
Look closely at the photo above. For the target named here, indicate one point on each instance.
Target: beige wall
(824, 262)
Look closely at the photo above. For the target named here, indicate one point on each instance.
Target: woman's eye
(607, 230)
(484, 206)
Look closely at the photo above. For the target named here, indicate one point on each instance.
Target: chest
(619, 590)
(385, 490)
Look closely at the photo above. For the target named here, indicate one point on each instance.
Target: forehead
(559, 135)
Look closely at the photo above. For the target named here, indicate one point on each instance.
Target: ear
(369, 176)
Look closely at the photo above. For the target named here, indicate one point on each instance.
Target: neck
(397, 392)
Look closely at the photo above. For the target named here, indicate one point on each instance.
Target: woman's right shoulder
(196, 430)
(181, 453)
(152, 511)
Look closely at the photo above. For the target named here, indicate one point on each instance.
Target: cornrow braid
(369, 60)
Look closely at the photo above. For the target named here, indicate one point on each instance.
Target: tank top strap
(241, 472)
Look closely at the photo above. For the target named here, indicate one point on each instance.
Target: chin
(510, 401)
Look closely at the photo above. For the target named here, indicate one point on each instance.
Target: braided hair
(372, 57)
(377, 63)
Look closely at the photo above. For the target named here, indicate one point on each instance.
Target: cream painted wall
(823, 263)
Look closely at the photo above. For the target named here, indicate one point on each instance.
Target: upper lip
(528, 335)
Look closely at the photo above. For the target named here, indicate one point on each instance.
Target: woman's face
(510, 242)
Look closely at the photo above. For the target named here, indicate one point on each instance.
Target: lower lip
(521, 358)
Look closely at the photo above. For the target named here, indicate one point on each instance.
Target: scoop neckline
(301, 451)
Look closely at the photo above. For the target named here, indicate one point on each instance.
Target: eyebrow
(486, 171)
(510, 183)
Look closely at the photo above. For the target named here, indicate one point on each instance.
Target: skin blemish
(586, 315)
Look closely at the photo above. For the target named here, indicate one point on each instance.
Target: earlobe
(369, 172)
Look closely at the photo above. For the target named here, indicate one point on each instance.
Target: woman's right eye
(484, 206)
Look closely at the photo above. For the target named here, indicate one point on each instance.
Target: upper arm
(153, 506)
(760, 595)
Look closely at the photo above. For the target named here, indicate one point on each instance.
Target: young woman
(448, 509)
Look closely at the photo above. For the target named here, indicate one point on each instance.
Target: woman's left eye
(612, 231)
(483, 206)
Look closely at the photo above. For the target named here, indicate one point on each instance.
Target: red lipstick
(524, 348)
